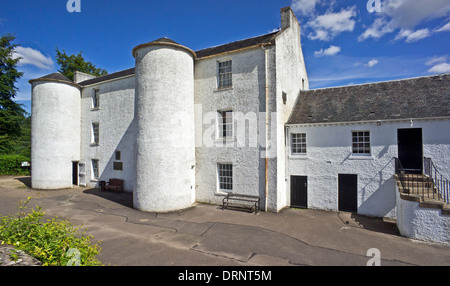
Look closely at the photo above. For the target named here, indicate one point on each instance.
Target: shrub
(54, 243)
(11, 165)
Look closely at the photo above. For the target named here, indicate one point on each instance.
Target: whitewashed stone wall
(246, 97)
(421, 223)
(115, 116)
(291, 78)
(329, 153)
(55, 140)
(165, 145)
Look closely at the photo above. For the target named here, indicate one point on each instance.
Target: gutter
(267, 128)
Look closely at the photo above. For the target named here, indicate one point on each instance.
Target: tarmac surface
(206, 235)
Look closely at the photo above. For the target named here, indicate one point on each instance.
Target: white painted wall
(420, 223)
(165, 148)
(245, 97)
(55, 136)
(281, 67)
(291, 78)
(115, 116)
(329, 153)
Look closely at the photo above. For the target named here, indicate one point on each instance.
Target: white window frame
(225, 177)
(95, 140)
(298, 143)
(360, 140)
(95, 169)
(225, 125)
(225, 74)
(95, 98)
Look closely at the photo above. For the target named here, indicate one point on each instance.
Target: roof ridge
(383, 81)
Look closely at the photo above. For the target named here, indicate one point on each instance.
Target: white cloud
(440, 68)
(436, 60)
(303, 7)
(331, 24)
(439, 65)
(406, 15)
(445, 28)
(33, 57)
(411, 36)
(378, 28)
(331, 51)
(371, 63)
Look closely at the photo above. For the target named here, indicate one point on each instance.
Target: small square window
(298, 143)
(360, 142)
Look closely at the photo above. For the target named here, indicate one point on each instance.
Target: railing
(430, 185)
(441, 184)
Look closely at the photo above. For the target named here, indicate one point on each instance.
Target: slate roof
(58, 77)
(108, 77)
(255, 41)
(55, 76)
(422, 97)
(268, 38)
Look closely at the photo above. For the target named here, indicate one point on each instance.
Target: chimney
(81, 76)
(287, 18)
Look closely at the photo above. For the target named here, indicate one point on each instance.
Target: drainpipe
(267, 126)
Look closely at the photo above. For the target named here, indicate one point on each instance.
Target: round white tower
(55, 131)
(165, 145)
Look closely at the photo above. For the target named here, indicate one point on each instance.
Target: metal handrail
(430, 184)
(440, 182)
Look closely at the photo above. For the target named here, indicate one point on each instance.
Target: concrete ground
(205, 235)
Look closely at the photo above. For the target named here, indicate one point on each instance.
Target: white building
(184, 126)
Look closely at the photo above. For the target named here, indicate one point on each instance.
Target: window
(225, 172)
(225, 75)
(298, 143)
(118, 155)
(225, 122)
(95, 133)
(360, 142)
(284, 97)
(95, 168)
(95, 99)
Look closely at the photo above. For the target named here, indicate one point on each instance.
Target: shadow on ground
(25, 180)
(381, 225)
(125, 199)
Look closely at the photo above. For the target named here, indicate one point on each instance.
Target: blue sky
(343, 42)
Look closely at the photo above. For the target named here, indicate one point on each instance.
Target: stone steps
(420, 188)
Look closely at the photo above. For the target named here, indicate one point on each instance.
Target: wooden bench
(238, 201)
(115, 185)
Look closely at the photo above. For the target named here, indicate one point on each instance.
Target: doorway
(299, 191)
(75, 173)
(410, 153)
(348, 192)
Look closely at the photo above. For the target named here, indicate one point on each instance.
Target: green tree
(69, 64)
(11, 113)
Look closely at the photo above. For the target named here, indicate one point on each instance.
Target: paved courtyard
(205, 235)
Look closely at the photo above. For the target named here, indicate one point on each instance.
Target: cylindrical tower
(55, 131)
(165, 144)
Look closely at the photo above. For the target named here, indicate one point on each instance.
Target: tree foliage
(69, 64)
(11, 113)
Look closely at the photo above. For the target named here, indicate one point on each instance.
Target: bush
(54, 243)
(11, 165)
